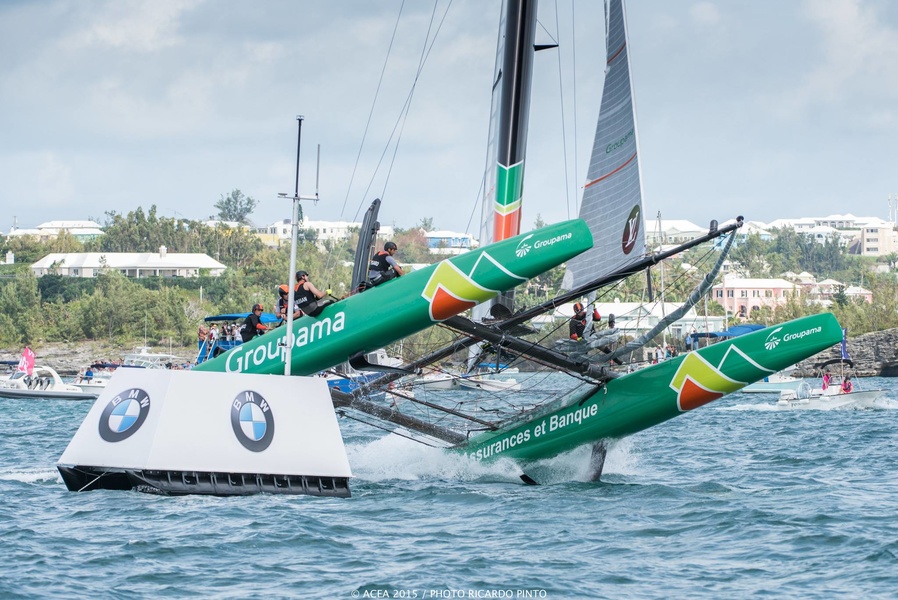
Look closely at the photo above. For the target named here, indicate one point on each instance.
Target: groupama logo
(523, 247)
(773, 340)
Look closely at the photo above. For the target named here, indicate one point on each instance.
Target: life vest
(379, 262)
(577, 327)
(847, 386)
(303, 298)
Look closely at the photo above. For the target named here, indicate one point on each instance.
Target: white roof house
(131, 264)
(672, 232)
(334, 231)
(80, 230)
(449, 242)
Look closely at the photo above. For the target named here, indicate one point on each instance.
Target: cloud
(142, 26)
(857, 64)
(705, 13)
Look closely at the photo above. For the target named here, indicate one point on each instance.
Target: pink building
(741, 297)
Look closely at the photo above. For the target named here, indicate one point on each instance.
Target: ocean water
(733, 500)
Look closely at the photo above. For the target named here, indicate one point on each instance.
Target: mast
(501, 217)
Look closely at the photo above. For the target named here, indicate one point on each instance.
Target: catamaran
(579, 397)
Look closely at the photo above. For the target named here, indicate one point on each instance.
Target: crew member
(253, 326)
(307, 295)
(577, 325)
(383, 267)
(284, 293)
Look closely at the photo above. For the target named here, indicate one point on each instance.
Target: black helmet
(300, 275)
(390, 246)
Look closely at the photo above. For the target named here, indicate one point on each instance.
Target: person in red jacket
(847, 386)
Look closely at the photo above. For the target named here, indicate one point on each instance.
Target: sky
(761, 108)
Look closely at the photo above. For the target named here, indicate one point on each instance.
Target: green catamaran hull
(403, 306)
(652, 395)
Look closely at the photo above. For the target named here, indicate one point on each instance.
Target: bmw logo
(124, 415)
(252, 420)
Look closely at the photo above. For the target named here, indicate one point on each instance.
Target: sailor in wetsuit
(383, 267)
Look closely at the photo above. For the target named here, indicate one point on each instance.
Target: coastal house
(130, 264)
(337, 232)
(741, 296)
(866, 236)
(449, 242)
(82, 231)
(671, 232)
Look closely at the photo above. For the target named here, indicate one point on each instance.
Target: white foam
(393, 457)
(30, 476)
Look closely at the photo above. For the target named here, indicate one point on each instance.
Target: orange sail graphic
(692, 395)
(445, 305)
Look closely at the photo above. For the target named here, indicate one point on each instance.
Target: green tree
(20, 315)
(236, 207)
(412, 246)
(752, 253)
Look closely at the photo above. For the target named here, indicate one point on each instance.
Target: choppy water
(734, 499)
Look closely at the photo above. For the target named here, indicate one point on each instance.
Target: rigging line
(564, 161)
(383, 428)
(365, 389)
(478, 198)
(383, 70)
(691, 301)
(574, 93)
(544, 28)
(424, 55)
(94, 480)
(404, 110)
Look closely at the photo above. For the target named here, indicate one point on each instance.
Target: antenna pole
(288, 338)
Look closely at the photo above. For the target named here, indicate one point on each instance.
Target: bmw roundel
(252, 420)
(124, 415)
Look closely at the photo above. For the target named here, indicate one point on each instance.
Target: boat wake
(30, 476)
(392, 458)
(879, 404)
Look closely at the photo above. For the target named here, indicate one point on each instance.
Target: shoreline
(70, 358)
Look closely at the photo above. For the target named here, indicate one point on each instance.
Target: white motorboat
(774, 384)
(44, 382)
(92, 384)
(437, 381)
(479, 382)
(832, 397)
(145, 359)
